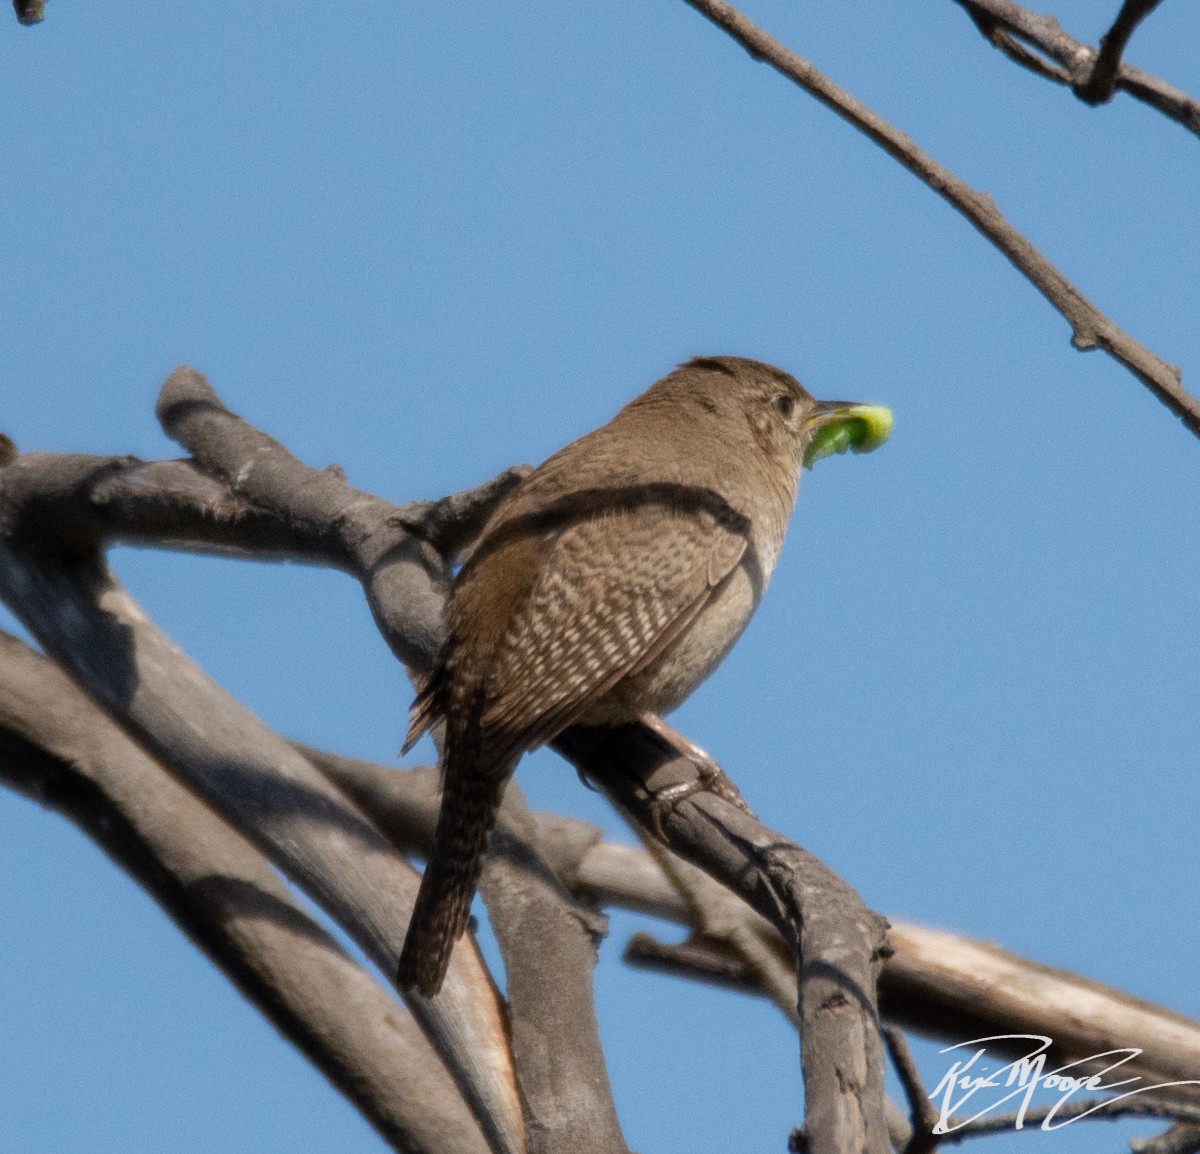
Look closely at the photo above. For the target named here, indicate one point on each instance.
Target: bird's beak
(836, 426)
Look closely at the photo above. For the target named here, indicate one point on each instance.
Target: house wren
(605, 587)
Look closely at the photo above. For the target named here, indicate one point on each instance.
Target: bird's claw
(710, 778)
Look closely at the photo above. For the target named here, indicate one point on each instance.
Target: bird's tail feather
(470, 801)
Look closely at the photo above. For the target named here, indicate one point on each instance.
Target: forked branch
(1090, 328)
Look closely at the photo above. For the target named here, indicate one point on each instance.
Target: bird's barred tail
(470, 801)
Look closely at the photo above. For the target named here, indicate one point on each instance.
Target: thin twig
(1007, 43)
(924, 1116)
(452, 523)
(1077, 62)
(1102, 84)
(1090, 327)
(710, 960)
(1061, 1113)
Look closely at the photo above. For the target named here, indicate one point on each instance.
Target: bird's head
(790, 424)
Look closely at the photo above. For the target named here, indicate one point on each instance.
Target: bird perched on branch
(605, 587)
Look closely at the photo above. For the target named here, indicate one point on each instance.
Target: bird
(604, 588)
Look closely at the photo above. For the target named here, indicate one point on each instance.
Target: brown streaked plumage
(608, 584)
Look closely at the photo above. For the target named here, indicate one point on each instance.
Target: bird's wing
(614, 592)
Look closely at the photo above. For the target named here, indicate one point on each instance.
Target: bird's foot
(710, 777)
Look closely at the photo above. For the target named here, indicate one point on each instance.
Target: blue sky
(426, 242)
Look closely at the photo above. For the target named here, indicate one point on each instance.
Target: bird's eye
(786, 404)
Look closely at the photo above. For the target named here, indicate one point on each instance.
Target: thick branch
(981, 987)
(840, 940)
(938, 983)
(548, 941)
(57, 747)
(134, 672)
(392, 549)
(842, 1053)
(837, 941)
(1090, 327)
(401, 574)
(74, 503)
(943, 984)
(398, 554)
(1182, 1138)
(82, 618)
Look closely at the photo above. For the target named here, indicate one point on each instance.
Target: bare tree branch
(57, 747)
(1100, 87)
(1061, 1112)
(984, 990)
(30, 11)
(923, 1116)
(401, 555)
(721, 929)
(704, 959)
(404, 577)
(818, 913)
(82, 617)
(76, 502)
(933, 980)
(548, 941)
(838, 942)
(1013, 48)
(1080, 66)
(938, 983)
(1182, 1138)
(86, 621)
(1090, 328)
